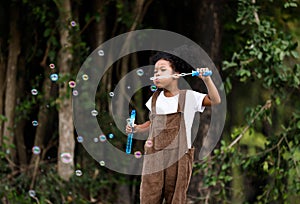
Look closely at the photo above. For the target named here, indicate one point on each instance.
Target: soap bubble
(80, 139)
(137, 154)
(31, 193)
(35, 123)
(153, 88)
(96, 139)
(52, 66)
(54, 77)
(34, 92)
(111, 94)
(102, 138)
(101, 53)
(140, 72)
(102, 163)
(75, 93)
(36, 150)
(73, 23)
(128, 87)
(85, 77)
(110, 135)
(66, 157)
(78, 172)
(72, 84)
(94, 112)
(149, 143)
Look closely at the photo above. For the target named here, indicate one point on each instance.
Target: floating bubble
(111, 94)
(73, 23)
(137, 154)
(96, 139)
(102, 163)
(31, 193)
(66, 157)
(80, 139)
(94, 112)
(72, 84)
(140, 72)
(102, 138)
(85, 77)
(52, 66)
(35, 123)
(101, 53)
(149, 143)
(153, 88)
(128, 87)
(34, 92)
(36, 150)
(54, 77)
(78, 172)
(110, 135)
(75, 93)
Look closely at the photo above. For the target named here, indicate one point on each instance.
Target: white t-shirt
(193, 104)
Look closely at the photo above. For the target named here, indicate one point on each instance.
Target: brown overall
(168, 168)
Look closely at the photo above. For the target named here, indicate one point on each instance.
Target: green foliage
(96, 184)
(266, 53)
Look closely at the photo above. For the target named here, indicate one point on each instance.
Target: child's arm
(139, 128)
(213, 97)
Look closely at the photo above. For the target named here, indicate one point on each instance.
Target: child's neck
(172, 92)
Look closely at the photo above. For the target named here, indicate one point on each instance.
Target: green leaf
(298, 124)
(295, 54)
(265, 166)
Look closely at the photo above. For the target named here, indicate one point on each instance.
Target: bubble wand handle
(130, 135)
(205, 73)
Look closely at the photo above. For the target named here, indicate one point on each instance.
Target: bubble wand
(130, 121)
(207, 72)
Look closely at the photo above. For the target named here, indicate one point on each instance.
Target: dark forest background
(254, 45)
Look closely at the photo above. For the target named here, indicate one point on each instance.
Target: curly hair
(177, 63)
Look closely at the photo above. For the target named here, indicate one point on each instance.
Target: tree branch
(265, 107)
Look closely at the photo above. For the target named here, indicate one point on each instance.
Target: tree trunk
(3, 59)
(10, 93)
(208, 36)
(2, 88)
(66, 129)
(98, 36)
(20, 124)
(43, 114)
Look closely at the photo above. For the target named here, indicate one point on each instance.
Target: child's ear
(176, 75)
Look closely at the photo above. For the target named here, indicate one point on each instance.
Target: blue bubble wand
(130, 121)
(193, 73)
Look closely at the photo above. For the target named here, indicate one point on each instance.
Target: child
(168, 151)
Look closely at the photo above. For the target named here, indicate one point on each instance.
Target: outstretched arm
(213, 97)
(139, 128)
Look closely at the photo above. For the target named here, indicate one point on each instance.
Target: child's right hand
(129, 129)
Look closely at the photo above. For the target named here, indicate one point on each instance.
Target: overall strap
(153, 102)
(181, 101)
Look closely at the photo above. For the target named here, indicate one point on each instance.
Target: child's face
(163, 68)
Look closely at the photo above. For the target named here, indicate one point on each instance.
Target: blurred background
(254, 45)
